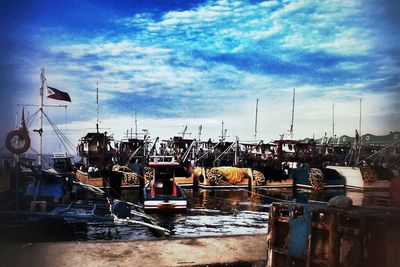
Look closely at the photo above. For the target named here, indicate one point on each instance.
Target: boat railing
(158, 159)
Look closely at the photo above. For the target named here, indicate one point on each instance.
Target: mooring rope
(256, 193)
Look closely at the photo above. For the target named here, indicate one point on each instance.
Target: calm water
(222, 212)
(225, 212)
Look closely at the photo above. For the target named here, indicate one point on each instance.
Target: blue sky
(201, 62)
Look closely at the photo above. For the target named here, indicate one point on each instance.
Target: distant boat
(96, 152)
(317, 179)
(365, 178)
(162, 193)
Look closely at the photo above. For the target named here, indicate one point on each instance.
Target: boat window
(164, 172)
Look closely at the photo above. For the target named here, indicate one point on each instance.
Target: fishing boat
(96, 152)
(132, 149)
(48, 205)
(363, 178)
(367, 165)
(162, 193)
(237, 165)
(123, 160)
(317, 179)
(47, 201)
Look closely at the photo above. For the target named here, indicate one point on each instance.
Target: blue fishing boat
(46, 201)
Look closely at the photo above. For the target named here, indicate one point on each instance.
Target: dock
(227, 250)
(315, 234)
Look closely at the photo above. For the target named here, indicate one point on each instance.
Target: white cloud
(190, 55)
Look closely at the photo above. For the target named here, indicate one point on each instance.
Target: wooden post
(334, 239)
(308, 259)
(195, 183)
(271, 236)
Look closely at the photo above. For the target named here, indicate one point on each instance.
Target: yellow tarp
(197, 171)
(234, 175)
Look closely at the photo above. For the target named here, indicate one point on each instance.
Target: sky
(177, 63)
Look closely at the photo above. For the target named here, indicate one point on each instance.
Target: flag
(57, 94)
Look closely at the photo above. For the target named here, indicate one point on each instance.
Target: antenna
(200, 128)
(291, 125)
(223, 131)
(184, 131)
(255, 126)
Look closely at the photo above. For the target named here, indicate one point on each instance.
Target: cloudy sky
(202, 62)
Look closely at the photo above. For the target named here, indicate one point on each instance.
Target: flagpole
(43, 79)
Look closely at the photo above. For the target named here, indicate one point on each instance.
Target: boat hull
(301, 178)
(164, 203)
(159, 205)
(233, 178)
(85, 178)
(354, 179)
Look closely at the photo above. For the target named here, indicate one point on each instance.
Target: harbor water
(224, 212)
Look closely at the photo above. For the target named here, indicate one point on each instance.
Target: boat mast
(198, 140)
(333, 120)
(255, 126)
(136, 124)
(291, 125)
(360, 134)
(222, 130)
(97, 109)
(43, 79)
(359, 126)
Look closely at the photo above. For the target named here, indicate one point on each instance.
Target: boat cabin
(162, 193)
(62, 163)
(96, 149)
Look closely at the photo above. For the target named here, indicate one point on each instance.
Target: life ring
(367, 138)
(396, 136)
(344, 139)
(24, 141)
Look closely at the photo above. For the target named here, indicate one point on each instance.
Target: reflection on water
(220, 212)
(227, 212)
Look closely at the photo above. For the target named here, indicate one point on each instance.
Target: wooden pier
(317, 235)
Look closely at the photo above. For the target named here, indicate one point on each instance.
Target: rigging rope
(64, 140)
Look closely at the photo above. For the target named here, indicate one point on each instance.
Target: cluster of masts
(135, 135)
(133, 148)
